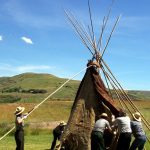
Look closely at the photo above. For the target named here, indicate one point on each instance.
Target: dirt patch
(44, 125)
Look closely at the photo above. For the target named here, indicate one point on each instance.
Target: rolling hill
(32, 87)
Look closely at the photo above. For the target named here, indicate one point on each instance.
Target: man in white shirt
(122, 123)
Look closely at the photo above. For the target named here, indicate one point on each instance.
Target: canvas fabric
(91, 100)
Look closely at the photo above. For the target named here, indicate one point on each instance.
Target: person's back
(101, 125)
(138, 132)
(124, 130)
(137, 128)
(97, 135)
(123, 124)
(59, 130)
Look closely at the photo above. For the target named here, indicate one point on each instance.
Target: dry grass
(47, 116)
(49, 111)
(53, 111)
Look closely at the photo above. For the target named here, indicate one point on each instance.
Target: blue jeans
(138, 143)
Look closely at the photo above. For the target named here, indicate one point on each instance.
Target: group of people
(124, 126)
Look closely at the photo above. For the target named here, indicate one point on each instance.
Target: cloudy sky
(35, 36)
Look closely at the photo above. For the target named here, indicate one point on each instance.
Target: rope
(46, 99)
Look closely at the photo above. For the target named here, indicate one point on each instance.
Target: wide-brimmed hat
(19, 110)
(137, 116)
(62, 123)
(104, 115)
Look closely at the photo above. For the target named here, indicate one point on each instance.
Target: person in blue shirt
(138, 132)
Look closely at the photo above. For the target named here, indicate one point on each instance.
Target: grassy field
(41, 122)
(32, 142)
(49, 111)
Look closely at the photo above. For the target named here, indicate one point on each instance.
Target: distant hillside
(32, 87)
(139, 95)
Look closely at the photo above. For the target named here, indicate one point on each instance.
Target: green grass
(32, 142)
(35, 137)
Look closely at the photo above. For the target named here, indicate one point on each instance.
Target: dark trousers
(138, 143)
(97, 141)
(124, 141)
(19, 138)
(56, 137)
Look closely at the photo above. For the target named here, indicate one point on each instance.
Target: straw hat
(19, 110)
(62, 123)
(104, 115)
(137, 116)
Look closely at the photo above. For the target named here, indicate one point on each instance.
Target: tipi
(93, 97)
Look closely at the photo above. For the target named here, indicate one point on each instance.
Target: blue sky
(35, 36)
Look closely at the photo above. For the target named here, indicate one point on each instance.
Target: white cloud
(8, 70)
(1, 37)
(32, 68)
(27, 40)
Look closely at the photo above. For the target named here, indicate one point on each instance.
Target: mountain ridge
(25, 85)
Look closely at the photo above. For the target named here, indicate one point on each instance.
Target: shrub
(9, 99)
(5, 127)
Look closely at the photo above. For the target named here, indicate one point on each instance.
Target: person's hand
(25, 116)
(112, 118)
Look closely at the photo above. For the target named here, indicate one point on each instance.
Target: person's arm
(26, 114)
(108, 126)
(114, 126)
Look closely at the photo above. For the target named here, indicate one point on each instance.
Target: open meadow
(39, 125)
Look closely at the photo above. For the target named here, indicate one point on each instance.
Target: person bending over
(97, 135)
(57, 132)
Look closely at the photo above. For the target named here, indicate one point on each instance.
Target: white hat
(62, 123)
(19, 110)
(103, 115)
(137, 116)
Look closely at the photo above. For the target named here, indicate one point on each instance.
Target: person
(122, 123)
(97, 135)
(138, 132)
(57, 132)
(19, 123)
